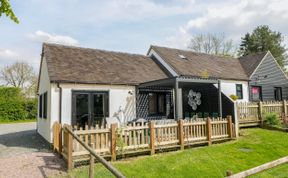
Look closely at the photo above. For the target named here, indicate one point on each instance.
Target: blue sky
(129, 25)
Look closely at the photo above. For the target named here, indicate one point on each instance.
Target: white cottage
(80, 86)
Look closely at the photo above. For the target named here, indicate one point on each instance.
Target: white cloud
(9, 57)
(137, 10)
(104, 12)
(41, 36)
(234, 18)
(6, 54)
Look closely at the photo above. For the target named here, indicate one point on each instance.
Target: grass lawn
(279, 172)
(255, 147)
(17, 121)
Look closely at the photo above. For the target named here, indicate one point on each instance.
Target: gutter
(60, 102)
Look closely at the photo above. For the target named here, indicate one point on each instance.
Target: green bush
(234, 97)
(12, 110)
(13, 106)
(31, 108)
(10, 93)
(272, 119)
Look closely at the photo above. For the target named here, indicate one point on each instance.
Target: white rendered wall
(44, 125)
(118, 97)
(228, 87)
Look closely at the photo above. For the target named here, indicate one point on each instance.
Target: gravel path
(24, 153)
(31, 165)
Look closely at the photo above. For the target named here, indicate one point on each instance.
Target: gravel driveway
(24, 153)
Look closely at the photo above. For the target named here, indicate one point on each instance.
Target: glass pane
(161, 103)
(40, 106)
(82, 110)
(98, 109)
(45, 106)
(152, 103)
(278, 93)
(238, 87)
(256, 93)
(98, 105)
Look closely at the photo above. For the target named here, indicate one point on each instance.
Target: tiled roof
(199, 64)
(83, 65)
(250, 62)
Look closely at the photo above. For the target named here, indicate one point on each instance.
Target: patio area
(182, 98)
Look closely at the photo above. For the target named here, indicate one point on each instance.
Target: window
(182, 56)
(239, 91)
(278, 93)
(40, 106)
(156, 103)
(256, 93)
(43, 105)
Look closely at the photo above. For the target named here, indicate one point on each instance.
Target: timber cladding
(268, 75)
(264, 72)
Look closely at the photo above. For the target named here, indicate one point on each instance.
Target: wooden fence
(140, 138)
(252, 113)
(70, 136)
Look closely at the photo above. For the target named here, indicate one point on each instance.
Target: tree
(22, 75)
(212, 44)
(5, 8)
(263, 39)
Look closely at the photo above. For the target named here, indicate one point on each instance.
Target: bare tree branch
(19, 74)
(212, 44)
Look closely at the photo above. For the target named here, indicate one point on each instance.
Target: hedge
(13, 105)
(10, 93)
(31, 108)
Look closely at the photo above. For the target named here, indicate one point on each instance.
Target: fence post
(69, 148)
(113, 142)
(152, 137)
(57, 137)
(91, 167)
(230, 126)
(285, 108)
(209, 131)
(181, 134)
(236, 126)
(260, 111)
(60, 139)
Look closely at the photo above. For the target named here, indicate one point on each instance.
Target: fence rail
(138, 138)
(252, 113)
(70, 137)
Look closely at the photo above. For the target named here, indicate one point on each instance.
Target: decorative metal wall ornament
(194, 99)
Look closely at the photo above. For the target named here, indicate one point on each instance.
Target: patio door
(89, 107)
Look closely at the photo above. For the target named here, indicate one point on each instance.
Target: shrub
(10, 93)
(272, 119)
(31, 108)
(13, 106)
(12, 111)
(234, 97)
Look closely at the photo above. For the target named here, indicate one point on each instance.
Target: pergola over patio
(210, 89)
